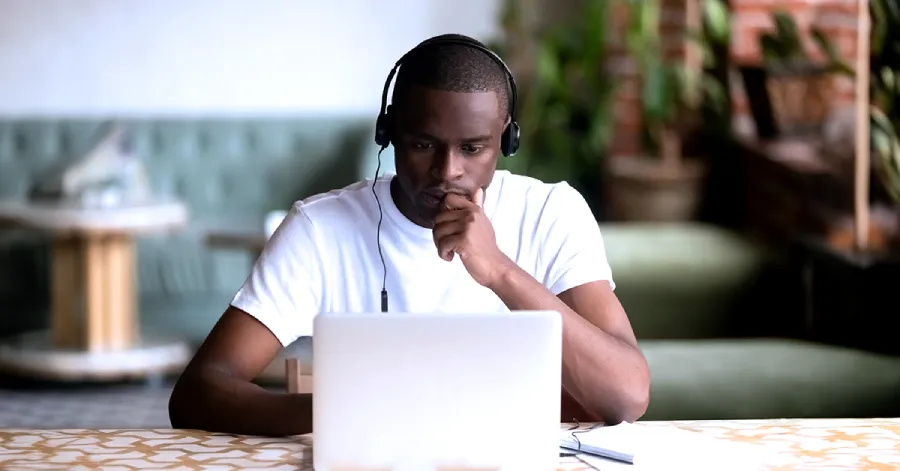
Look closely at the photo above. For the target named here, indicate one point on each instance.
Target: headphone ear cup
(382, 128)
(380, 133)
(509, 141)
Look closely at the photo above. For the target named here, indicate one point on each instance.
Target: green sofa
(714, 314)
(709, 307)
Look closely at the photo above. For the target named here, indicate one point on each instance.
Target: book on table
(658, 446)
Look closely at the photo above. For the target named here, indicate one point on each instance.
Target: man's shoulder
(338, 205)
(534, 193)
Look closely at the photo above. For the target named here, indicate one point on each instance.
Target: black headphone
(509, 142)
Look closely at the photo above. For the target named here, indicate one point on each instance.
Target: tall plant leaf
(835, 61)
(716, 20)
(885, 146)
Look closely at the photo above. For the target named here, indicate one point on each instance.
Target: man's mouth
(432, 199)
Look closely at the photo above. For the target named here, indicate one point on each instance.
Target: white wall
(159, 57)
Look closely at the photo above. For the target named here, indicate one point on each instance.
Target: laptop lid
(440, 391)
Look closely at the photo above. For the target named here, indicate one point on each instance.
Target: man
(456, 235)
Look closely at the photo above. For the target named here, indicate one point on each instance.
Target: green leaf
(783, 45)
(880, 121)
(879, 27)
(835, 62)
(788, 33)
(688, 86)
(893, 10)
(771, 48)
(885, 146)
(888, 79)
(594, 38)
(717, 20)
(600, 131)
(714, 94)
(547, 64)
(649, 17)
(657, 93)
(698, 40)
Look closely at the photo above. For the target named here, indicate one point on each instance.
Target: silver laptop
(421, 392)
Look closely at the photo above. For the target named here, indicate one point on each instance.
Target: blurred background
(147, 149)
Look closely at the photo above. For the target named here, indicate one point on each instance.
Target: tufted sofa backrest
(230, 172)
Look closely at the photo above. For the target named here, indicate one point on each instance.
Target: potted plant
(566, 94)
(848, 288)
(884, 132)
(800, 88)
(662, 185)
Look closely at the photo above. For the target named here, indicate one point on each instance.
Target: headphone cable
(384, 295)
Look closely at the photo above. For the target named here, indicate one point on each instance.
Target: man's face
(444, 142)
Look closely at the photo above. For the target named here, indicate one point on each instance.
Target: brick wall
(837, 18)
(626, 141)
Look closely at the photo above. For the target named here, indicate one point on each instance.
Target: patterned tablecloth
(846, 444)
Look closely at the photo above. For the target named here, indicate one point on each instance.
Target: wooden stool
(94, 326)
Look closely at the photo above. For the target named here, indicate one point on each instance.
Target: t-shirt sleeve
(284, 288)
(572, 246)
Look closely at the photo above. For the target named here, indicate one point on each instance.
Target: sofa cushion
(683, 280)
(768, 378)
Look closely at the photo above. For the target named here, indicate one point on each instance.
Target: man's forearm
(218, 402)
(604, 374)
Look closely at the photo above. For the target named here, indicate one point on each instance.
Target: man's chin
(427, 215)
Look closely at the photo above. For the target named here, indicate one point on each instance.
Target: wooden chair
(297, 378)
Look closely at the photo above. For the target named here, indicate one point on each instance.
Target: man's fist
(462, 228)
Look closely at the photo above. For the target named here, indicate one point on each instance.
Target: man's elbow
(177, 410)
(636, 404)
(178, 419)
(183, 406)
(633, 403)
(629, 409)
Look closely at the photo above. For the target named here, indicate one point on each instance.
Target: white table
(94, 327)
(802, 444)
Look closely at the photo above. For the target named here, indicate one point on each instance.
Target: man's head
(449, 109)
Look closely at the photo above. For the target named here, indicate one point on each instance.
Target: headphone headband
(510, 139)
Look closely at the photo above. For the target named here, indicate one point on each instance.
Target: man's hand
(462, 228)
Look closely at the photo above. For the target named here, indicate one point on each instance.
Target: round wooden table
(94, 328)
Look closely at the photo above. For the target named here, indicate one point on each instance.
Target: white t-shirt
(324, 255)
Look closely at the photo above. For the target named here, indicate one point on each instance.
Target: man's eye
(422, 145)
(471, 149)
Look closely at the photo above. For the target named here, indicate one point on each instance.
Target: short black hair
(452, 67)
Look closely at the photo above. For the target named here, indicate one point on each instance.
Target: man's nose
(447, 165)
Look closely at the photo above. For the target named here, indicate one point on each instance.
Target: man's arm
(215, 392)
(273, 308)
(603, 368)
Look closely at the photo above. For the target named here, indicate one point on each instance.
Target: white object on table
(613, 442)
(658, 447)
